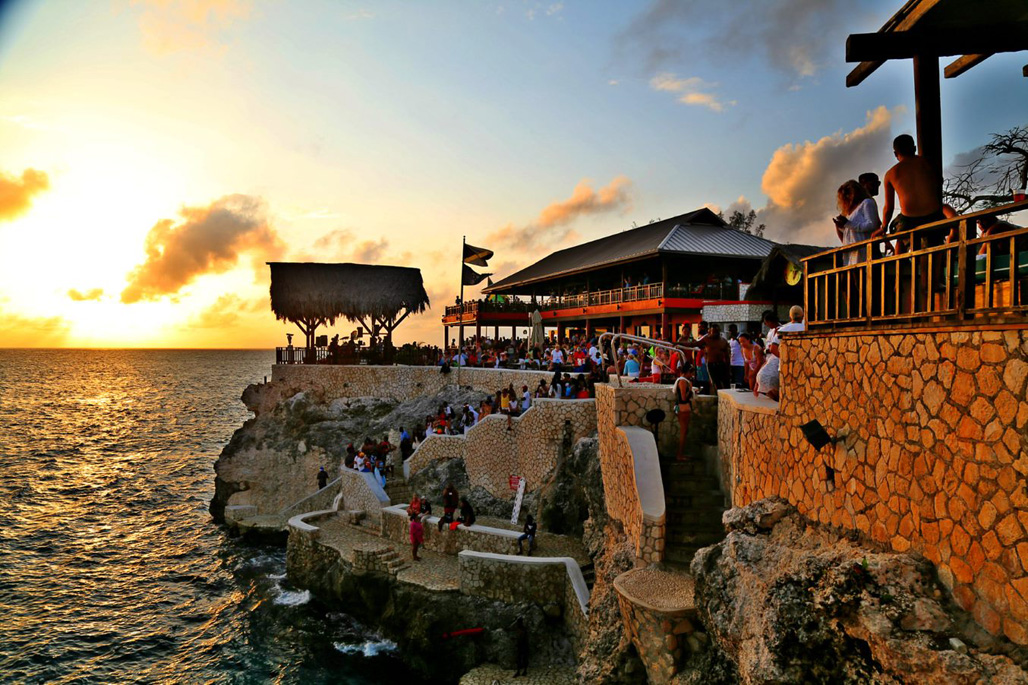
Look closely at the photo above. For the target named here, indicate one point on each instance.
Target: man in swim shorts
(918, 186)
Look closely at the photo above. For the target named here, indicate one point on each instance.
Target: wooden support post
(929, 111)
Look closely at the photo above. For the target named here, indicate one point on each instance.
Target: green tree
(744, 221)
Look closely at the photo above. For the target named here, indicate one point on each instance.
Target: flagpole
(460, 333)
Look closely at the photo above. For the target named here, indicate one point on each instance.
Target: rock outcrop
(273, 459)
(787, 600)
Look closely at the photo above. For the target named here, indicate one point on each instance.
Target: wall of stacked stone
(361, 492)
(617, 463)
(398, 383)
(434, 448)
(546, 582)
(531, 449)
(514, 580)
(933, 456)
(633, 401)
(396, 528)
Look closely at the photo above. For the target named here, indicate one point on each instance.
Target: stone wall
(530, 449)
(396, 527)
(398, 383)
(555, 584)
(932, 456)
(361, 492)
(633, 488)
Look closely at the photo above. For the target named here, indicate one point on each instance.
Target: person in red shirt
(417, 535)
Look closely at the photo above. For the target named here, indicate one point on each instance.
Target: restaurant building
(657, 279)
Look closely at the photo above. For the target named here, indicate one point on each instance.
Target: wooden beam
(962, 64)
(986, 40)
(908, 16)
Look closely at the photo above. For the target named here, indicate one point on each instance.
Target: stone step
(706, 501)
(589, 574)
(698, 518)
(700, 538)
(686, 484)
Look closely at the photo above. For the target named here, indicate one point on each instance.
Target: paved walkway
(488, 674)
(436, 572)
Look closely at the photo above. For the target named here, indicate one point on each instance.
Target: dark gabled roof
(699, 232)
(767, 281)
(308, 290)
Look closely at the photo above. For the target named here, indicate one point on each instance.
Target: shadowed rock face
(789, 601)
(273, 459)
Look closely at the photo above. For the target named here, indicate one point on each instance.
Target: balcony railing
(486, 306)
(640, 293)
(885, 281)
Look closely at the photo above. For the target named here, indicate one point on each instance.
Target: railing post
(965, 274)
(868, 281)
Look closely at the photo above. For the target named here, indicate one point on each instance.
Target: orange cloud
(343, 244)
(94, 294)
(225, 312)
(16, 193)
(801, 179)
(551, 226)
(207, 240)
(32, 331)
(175, 25)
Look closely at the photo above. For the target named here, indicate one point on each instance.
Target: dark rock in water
(789, 601)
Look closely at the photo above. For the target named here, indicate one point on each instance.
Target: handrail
(616, 337)
(854, 284)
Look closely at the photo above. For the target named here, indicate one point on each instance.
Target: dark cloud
(795, 36)
(205, 240)
(16, 193)
(93, 294)
(551, 226)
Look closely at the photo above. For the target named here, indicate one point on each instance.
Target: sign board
(513, 482)
(517, 501)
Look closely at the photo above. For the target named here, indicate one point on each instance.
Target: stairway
(397, 489)
(589, 574)
(392, 561)
(694, 504)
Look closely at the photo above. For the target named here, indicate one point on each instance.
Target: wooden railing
(884, 281)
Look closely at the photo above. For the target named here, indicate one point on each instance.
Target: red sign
(513, 481)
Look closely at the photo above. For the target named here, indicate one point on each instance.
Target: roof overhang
(973, 29)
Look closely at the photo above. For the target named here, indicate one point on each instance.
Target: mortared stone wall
(931, 458)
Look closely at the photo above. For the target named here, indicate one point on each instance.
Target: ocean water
(110, 567)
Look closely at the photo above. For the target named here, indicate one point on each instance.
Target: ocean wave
(368, 648)
(293, 598)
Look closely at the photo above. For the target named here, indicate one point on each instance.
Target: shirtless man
(919, 189)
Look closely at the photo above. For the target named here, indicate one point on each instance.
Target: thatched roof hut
(780, 276)
(378, 297)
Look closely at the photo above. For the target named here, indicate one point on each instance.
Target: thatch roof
(329, 291)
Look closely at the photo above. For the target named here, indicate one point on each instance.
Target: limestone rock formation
(790, 601)
(272, 460)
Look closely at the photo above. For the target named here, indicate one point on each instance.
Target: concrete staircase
(392, 562)
(694, 504)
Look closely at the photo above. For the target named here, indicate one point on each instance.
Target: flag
(479, 256)
(470, 277)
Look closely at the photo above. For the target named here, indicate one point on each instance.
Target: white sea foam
(368, 648)
(277, 576)
(293, 598)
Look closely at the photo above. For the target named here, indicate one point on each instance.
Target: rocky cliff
(789, 601)
(273, 459)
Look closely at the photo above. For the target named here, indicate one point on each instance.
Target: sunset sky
(156, 153)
